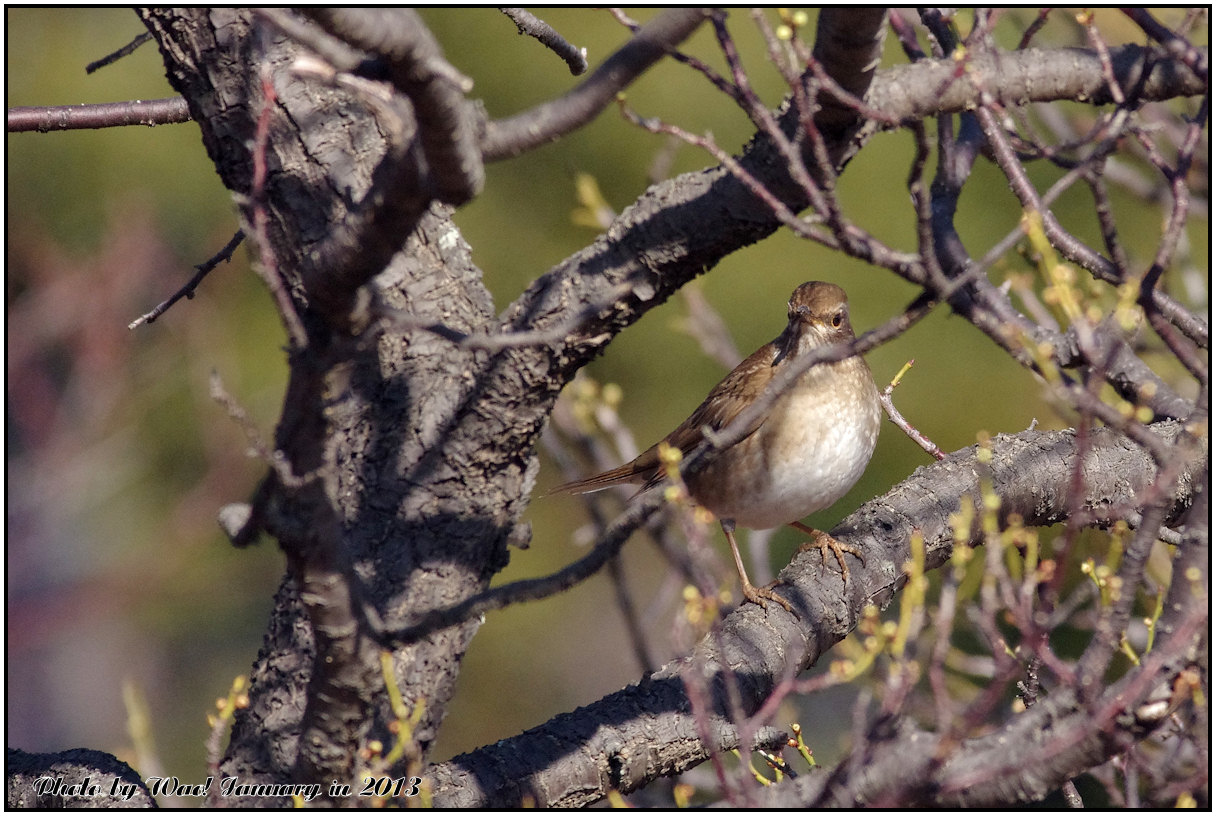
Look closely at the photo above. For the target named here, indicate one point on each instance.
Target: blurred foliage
(118, 460)
(117, 457)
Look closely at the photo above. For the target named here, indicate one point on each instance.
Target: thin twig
(893, 413)
(1039, 21)
(706, 326)
(1196, 59)
(268, 268)
(609, 545)
(187, 291)
(1068, 244)
(1171, 235)
(126, 50)
(800, 227)
(260, 448)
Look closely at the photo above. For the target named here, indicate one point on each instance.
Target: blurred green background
(118, 460)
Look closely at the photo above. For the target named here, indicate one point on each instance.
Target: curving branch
(552, 120)
(630, 738)
(417, 69)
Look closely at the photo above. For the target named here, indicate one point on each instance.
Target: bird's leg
(757, 595)
(825, 542)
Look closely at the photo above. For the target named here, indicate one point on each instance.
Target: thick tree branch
(1038, 751)
(848, 44)
(417, 69)
(631, 737)
(1016, 78)
(74, 772)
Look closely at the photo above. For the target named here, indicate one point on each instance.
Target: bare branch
(1068, 738)
(187, 291)
(1031, 472)
(848, 44)
(151, 112)
(550, 121)
(1195, 58)
(126, 50)
(542, 32)
(1033, 75)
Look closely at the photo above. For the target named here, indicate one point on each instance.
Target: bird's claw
(825, 543)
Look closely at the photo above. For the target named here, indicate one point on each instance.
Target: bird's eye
(837, 320)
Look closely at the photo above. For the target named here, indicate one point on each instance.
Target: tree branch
(149, 112)
(542, 32)
(187, 291)
(1032, 756)
(552, 120)
(73, 772)
(417, 68)
(631, 737)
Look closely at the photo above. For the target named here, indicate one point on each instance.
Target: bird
(800, 456)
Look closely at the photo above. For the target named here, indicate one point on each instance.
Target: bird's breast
(812, 448)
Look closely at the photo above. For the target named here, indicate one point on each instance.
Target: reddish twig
(268, 268)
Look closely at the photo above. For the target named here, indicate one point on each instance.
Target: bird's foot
(762, 595)
(825, 543)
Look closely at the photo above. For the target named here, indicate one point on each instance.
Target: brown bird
(802, 455)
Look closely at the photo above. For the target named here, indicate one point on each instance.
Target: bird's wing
(725, 402)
